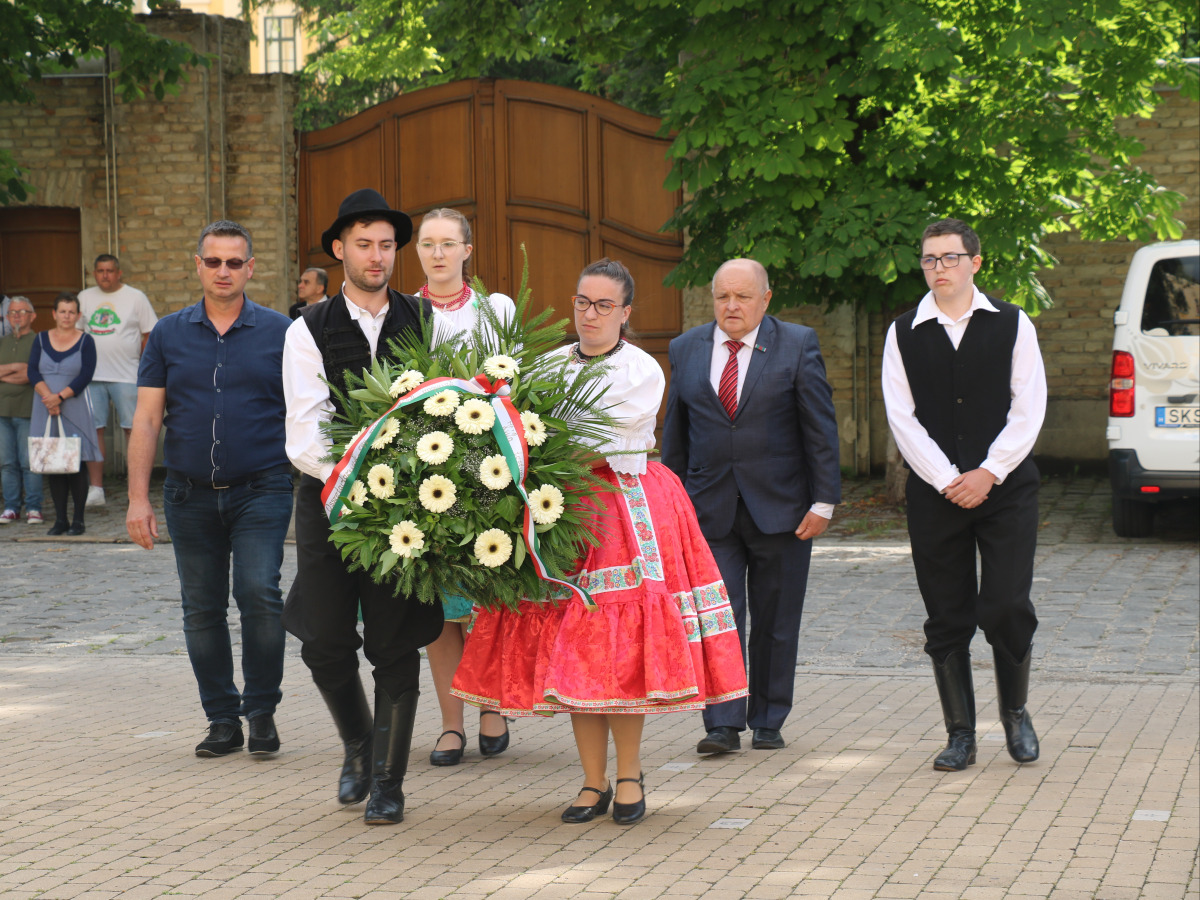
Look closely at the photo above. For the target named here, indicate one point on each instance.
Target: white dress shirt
(307, 395)
(720, 356)
(1027, 389)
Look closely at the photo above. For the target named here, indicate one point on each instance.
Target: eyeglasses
(215, 262)
(949, 260)
(447, 246)
(20, 312)
(603, 307)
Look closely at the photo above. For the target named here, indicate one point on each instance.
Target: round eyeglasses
(603, 307)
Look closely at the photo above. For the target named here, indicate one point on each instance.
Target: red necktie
(728, 387)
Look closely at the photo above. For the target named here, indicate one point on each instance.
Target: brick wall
(148, 175)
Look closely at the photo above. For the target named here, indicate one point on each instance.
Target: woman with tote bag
(61, 364)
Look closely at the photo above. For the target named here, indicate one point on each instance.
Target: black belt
(282, 469)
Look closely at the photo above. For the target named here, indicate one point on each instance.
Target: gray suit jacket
(780, 452)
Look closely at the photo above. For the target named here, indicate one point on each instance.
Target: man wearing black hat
(326, 343)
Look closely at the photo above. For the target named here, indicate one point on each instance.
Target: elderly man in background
(16, 405)
(311, 289)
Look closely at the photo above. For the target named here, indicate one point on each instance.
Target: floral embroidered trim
(643, 525)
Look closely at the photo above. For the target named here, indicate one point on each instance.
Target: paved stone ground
(100, 795)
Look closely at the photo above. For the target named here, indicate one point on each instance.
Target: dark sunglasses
(214, 262)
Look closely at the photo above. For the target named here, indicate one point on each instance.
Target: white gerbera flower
(405, 382)
(500, 366)
(442, 403)
(535, 430)
(361, 432)
(435, 447)
(475, 416)
(546, 504)
(358, 493)
(437, 493)
(381, 481)
(493, 548)
(494, 473)
(406, 538)
(390, 429)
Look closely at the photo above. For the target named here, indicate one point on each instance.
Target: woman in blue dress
(61, 364)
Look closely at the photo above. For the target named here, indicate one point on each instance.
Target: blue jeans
(14, 463)
(248, 522)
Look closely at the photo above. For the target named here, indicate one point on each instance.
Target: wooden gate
(40, 256)
(570, 176)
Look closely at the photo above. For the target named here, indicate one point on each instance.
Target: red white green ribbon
(510, 437)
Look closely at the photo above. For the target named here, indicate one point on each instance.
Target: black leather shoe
(959, 753)
(222, 738)
(956, 691)
(58, 528)
(492, 746)
(721, 739)
(628, 813)
(577, 815)
(449, 757)
(767, 739)
(75, 530)
(1012, 689)
(264, 739)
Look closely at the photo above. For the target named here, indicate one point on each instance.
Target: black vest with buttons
(962, 396)
(344, 348)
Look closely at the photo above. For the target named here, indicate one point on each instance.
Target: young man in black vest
(327, 342)
(966, 394)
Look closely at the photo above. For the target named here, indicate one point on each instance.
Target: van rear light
(1150, 489)
(1120, 388)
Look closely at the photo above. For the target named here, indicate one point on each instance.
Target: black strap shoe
(489, 745)
(628, 813)
(223, 738)
(453, 756)
(578, 815)
(264, 739)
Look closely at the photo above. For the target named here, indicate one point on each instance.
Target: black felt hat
(366, 202)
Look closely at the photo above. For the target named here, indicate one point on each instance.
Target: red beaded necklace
(456, 301)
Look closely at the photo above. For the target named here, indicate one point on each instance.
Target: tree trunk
(897, 475)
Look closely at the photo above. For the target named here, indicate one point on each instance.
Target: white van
(1154, 395)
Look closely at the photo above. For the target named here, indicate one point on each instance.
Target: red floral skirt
(662, 637)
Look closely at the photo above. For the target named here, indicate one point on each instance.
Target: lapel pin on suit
(761, 348)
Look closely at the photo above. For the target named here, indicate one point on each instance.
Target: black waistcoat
(962, 396)
(344, 348)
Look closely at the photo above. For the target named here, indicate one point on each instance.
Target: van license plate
(1177, 416)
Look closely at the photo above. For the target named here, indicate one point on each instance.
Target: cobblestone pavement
(100, 795)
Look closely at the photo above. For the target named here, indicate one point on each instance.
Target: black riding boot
(394, 721)
(352, 716)
(1012, 689)
(957, 693)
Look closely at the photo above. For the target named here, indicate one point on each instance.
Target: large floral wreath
(465, 469)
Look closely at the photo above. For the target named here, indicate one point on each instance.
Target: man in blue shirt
(211, 373)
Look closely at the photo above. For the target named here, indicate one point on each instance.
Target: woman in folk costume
(662, 636)
(444, 248)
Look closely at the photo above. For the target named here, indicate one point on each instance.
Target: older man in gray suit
(751, 432)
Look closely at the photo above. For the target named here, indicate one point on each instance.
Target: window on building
(279, 39)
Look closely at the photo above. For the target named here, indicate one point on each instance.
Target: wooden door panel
(556, 256)
(632, 165)
(546, 154)
(442, 176)
(40, 256)
(332, 172)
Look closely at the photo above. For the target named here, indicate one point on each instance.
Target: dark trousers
(768, 574)
(958, 599)
(323, 605)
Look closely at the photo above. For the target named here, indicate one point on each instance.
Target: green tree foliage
(42, 37)
(821, 136)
